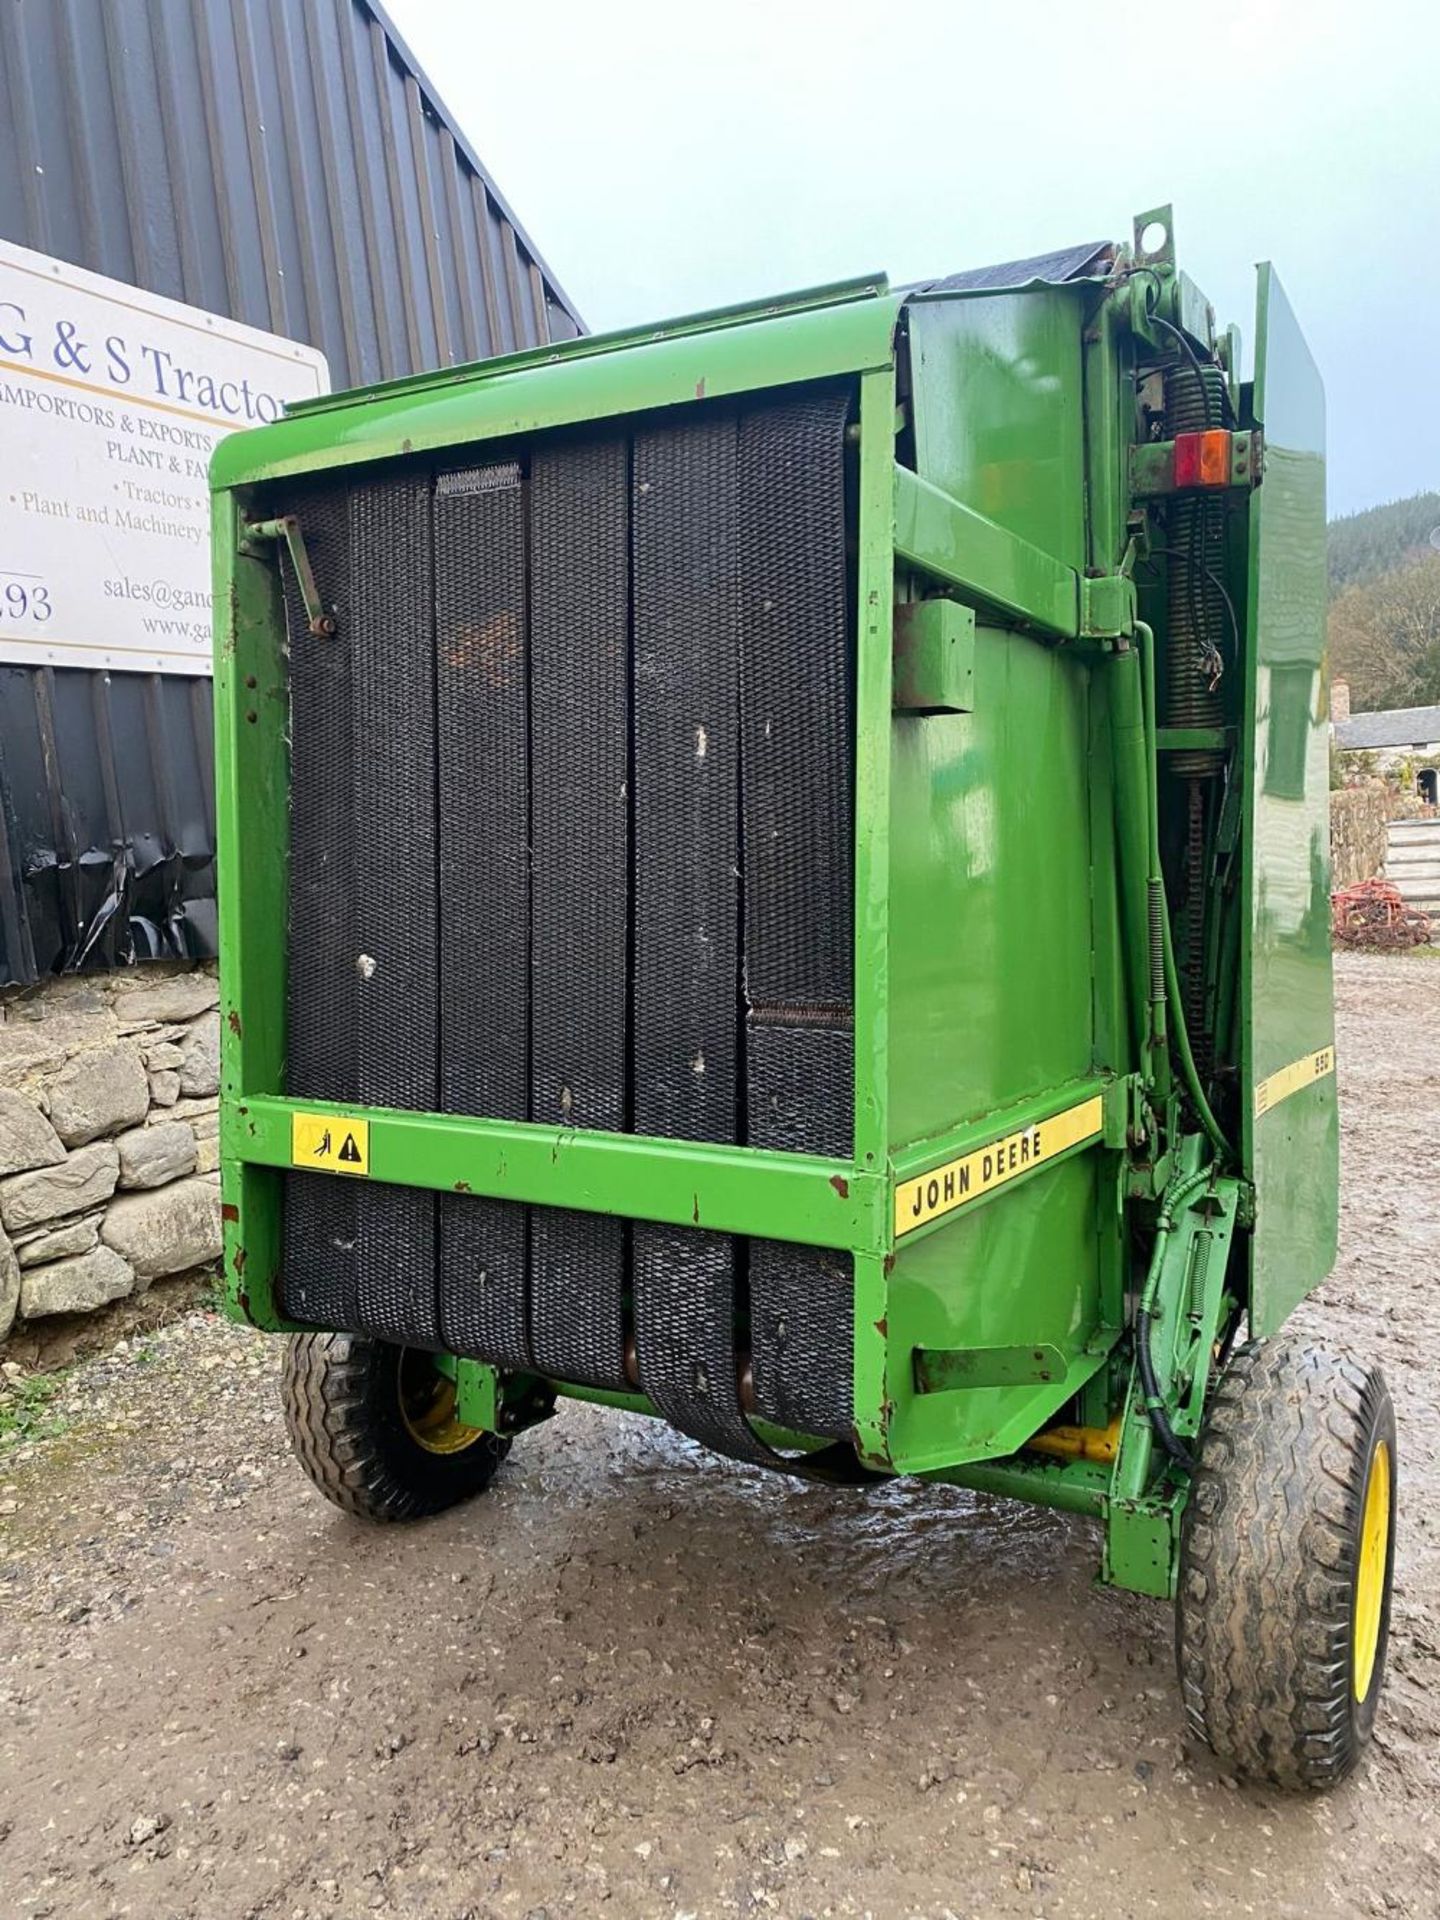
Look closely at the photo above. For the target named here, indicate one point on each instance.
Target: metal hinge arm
(287, 528)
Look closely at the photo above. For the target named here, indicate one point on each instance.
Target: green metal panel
(1018, 1270)
(999, 411)
(992, 943)
(587, 346)
(934, 657)
(990, 916)
(1291, 1148)
(252, 786)
(1141, 1542)
(874, 693)
(697, 361)
(952, 542)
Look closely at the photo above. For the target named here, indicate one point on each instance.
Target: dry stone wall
(109, 1137)
(1358, 821)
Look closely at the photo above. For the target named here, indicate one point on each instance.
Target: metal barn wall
(284, 162)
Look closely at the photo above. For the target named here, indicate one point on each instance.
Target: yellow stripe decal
(929, 1195)
(1300, 1073)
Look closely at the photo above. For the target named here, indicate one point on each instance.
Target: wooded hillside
(1363, 545)
(1385, 603)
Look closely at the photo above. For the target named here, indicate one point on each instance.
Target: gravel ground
(634, 1680)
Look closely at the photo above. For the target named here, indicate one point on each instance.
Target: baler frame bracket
(956, 1369)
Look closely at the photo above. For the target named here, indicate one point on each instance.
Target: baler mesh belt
(527, 779)
(363, 926)
(687, 908)
(482, 781)
(796, 702)
(795, 705)
(580, 899)
(393, 917)
(319, 1215)
(778, 494)
(801, 1320)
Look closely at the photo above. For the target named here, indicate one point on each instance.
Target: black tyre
(1286, 1553)
(374, 1427)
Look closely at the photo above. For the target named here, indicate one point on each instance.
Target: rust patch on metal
(887, 1265)
(841, 1185)
(695, 1214)
(700, 389)
(882, 1326)
(229, 1211)
(238, 1260)
(232, 1020)
(463, 1186)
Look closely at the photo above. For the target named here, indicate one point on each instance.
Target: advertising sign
(111, 401)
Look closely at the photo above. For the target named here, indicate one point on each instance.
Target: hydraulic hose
(1165, 1434)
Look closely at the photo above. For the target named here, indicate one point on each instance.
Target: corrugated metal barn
(285, 163)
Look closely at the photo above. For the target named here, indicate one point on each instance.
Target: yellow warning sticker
(1300, 1073)
(329, 1145)
(929, 1195)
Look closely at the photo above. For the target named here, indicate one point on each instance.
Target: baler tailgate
(584, 739)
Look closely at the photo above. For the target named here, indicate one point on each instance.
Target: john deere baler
(775, 874)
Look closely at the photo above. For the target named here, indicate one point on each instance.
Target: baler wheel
(1286, 1552)
(374, 1427)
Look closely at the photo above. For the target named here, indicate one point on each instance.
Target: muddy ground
(633, 1680)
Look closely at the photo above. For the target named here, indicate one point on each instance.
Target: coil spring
(1190, 933)
(1194, 400)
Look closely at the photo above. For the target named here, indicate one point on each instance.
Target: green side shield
(1290, 1127)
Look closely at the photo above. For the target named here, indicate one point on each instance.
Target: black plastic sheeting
(1091, 259)
(107, 782)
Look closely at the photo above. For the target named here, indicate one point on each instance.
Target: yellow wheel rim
(427, 1407)
(1370, 1575)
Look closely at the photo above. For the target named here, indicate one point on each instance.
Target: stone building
(1393, 739)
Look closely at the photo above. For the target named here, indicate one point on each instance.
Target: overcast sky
(665, 157)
